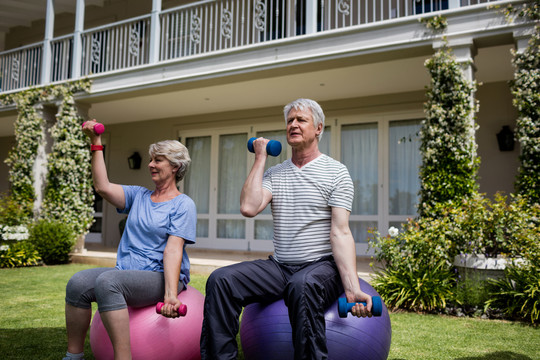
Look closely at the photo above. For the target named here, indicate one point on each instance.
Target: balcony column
(521, 39)
(49, 32)
(39, 168)
(76, 56)
(154, 32)
(311, 16)
(464, 50)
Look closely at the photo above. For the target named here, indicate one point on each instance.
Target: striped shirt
(302, 199)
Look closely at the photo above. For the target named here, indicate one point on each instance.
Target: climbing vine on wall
(449, 159)
(68, 193)
(28, 135)
(526, 91)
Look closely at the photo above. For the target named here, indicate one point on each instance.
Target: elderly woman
(152, 264)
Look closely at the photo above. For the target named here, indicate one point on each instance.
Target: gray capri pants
(115, 289)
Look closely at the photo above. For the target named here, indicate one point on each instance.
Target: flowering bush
(504, 226)
(15, 250)
(526, 92)
(17, 233)
(68, 195)
(437, 23)
(449, 161)
(417, 271)
(28, 135)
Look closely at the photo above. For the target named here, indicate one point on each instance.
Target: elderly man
(314, 257)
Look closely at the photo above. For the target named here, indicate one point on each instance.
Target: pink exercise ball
(154, 336)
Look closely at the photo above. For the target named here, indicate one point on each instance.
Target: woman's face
(161, 169)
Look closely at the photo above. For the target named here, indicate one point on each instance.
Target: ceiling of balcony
(22, 12)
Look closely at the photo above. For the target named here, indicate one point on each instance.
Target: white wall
(498, 170)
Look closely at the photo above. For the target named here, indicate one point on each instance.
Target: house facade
(215, 73)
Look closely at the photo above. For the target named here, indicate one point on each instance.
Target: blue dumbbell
(344, 307)
(272, 148)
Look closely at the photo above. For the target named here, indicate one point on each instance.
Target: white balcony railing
(199, 28)
(20, 67)
(116, 46)
(62, 48)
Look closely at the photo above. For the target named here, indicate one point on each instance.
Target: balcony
(196, 29)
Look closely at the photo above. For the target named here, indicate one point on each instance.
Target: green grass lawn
(32, 324)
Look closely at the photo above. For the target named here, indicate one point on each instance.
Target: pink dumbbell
(182, 310)
(98, 128)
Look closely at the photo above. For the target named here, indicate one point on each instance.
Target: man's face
(300, 128)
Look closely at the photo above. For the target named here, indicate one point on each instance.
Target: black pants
(307, 289)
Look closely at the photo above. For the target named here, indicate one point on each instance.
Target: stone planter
(479, 267)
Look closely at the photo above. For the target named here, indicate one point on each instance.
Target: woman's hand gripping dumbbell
(182, 310)
(98, 128)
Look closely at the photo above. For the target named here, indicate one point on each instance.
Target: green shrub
(477, 225)
(471, 292)
(418, 269)
(518, 293)
(53, 240)
(418, 273)
(421, 288)
(13, 212)
(20, 253)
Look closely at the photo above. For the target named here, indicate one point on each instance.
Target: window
(219, 168)
(382, 155)
(231, 176)
(359, 152)
(404, 164)
(197, 180)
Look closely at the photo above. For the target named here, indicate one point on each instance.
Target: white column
(49, 32)
(521, 39)
(154, 32)
(464, 50)
(39, 169)
(83, 110)
(76, 58)
(311, 16)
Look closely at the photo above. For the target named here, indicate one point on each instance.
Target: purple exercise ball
(266, 333)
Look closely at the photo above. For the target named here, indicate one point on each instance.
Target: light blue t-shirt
(148, 227)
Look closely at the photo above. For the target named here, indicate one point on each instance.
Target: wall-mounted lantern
(505, 138)
(134, 161)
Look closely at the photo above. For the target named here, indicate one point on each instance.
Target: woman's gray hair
(175, 152)
(303, 104)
